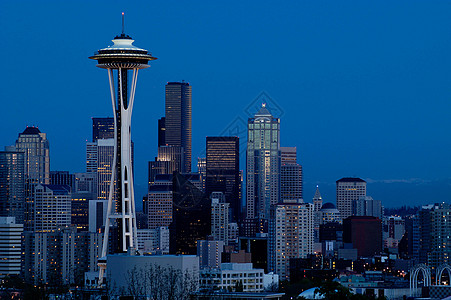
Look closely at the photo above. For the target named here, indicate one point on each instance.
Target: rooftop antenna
(123, 17)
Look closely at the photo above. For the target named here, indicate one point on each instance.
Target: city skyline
(363, 88)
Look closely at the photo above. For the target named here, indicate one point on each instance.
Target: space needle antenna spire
(123, 22)
(122, 60)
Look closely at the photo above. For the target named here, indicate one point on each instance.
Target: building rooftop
(350, 179)
(31, 130)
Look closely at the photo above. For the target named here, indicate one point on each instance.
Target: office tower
(99, 161)
(365, 234)
(35, 146)
(191, 216)
(10, 246)
(159, 206)
(223, 171)
(290, 175)
(62, 178)
(12, 185)
(219, 217)
(162, 132)
(434, 222)
(367, 206)
(348, 190)
(102, 128)
(52, 207)
(262, 164)
(178, 119)
(202, 170)
(82, 192)
(125, 66)
(169, 159)
(290, 235)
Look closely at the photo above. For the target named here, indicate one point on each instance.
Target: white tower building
(122, 60)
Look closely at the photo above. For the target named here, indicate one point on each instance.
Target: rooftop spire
(123, 22)
(317, 194)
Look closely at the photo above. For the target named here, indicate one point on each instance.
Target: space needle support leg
(111, 191)
(132, 224)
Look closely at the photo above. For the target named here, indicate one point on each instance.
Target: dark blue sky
(363, 87)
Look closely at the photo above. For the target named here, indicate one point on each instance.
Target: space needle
(122, 60)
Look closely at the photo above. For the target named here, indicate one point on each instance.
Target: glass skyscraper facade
(223, 170)
(177, 122)
(12, 185)
(262, 164)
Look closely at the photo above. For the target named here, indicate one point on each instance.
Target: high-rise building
(290, 235)
(223, 171)
(262, 164)
(219, 217)
(169, 159)
(434, 222)
(60, 257)
(290, 175)
(102, 128)
(12, 185)
(209, 252)
(159, 206)
(10, 246)
(178, 119)
(367, 206)
(191, 216)
(35, 146)
(99, 160)
(349, 190)
(52, 207)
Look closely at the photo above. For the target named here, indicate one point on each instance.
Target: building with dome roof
(329, 213)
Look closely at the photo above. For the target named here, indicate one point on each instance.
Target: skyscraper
(262, 164)
(52, 207)
(191, 216)
(12, 185)
(348, 190)
(223, 171)
(35, 146)
(290, 235)
(290, 175)
(178, 119)
(434, 222)
(99, 161)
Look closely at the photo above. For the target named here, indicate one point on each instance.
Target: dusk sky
(362, 87)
